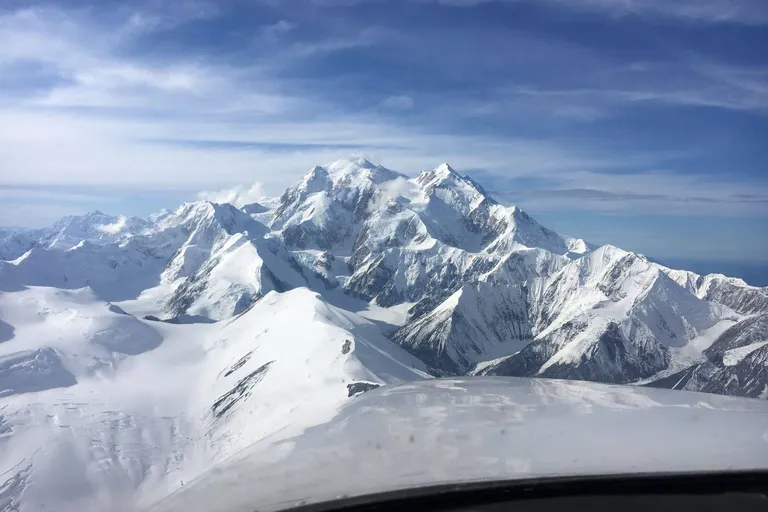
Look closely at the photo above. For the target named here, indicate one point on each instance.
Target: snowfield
(102, 409)
(136, 354)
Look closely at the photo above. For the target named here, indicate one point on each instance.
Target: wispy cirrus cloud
(673, 83)
(278, 29)
(749, 12)
(159, 15)
(80, 60)
(618, 197)
(592, 103)
(399, 102)
(656, 192)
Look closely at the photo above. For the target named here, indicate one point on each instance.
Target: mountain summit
(487, 288)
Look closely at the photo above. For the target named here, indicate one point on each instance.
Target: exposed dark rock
(748, 377)
(239, 364)
(745, 300)
(254, 208)
(746, 332)
(116, 309)
(7, 331)
(182, 319)
(240, 392)
(675, 381)
(613, 359)
(356, 388)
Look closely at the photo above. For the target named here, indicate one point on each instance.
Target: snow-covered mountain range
(135, 353)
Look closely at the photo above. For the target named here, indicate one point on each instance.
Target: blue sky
(642, 123)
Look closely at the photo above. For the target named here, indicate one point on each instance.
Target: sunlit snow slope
(98, 404)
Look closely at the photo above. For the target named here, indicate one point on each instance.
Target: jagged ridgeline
(479, 287)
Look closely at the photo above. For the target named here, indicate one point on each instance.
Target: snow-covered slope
(326, 206)
(235, 275)
(226, 260)
(736, 363)
(195, 230)
(66, 322)
(491, 317)
(608, 316)
(439, 241)
(404, 240)
(734, 293)
(94, 227)
(114, 271)
(290, 350)
(748, 332)
(183, 249)
(102, 410)
(477, 322)
(80, 428)
(15, 242)
(730, 291)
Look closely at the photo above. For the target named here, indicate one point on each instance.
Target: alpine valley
(135, 354)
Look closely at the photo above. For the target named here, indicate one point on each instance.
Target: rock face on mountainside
(96, 227)
(487, 289)
(15, 242)
(736, 363)
(611, 316)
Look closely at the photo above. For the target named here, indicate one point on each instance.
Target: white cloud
(691, 83)
(47, 36)
(232, 125)
(276, 30)
(64, 148)
(88, 60)
(239, 195)
(750, 12)
(127, 75)
(391, 190)
(653, 191)
(167, 14)
(114, 228)
(710, 11)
